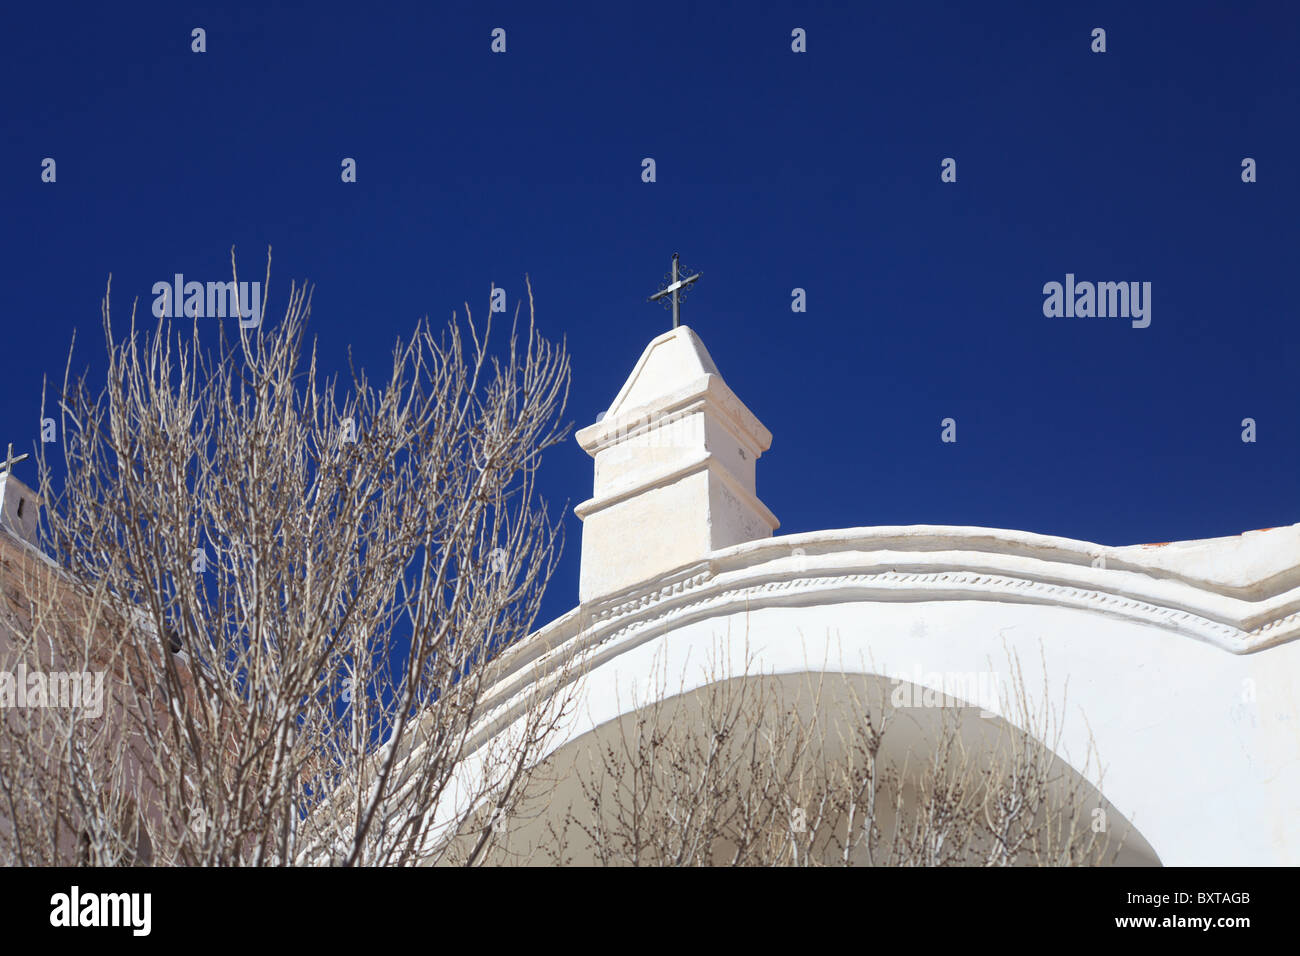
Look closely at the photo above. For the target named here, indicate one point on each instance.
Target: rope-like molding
(605, 627)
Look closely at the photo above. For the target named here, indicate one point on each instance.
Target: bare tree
(749, 770)
(293, 584)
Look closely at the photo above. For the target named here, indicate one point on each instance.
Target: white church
(1182, 659)
(1179, 661)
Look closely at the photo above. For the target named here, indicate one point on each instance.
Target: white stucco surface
(1180, 658)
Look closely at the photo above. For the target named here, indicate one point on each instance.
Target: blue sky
(775, 170)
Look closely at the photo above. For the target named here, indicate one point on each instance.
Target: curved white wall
(1182, 657)
(1191, 693)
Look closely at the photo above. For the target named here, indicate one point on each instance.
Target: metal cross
(676, 286)
(10, 460)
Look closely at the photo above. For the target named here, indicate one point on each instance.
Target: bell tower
(19, 505)
(674, 462)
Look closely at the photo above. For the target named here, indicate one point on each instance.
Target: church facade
(1178, 661)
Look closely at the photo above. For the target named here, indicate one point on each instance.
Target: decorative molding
(635, 610)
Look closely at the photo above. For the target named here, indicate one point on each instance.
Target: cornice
(668, 475)
(708, 393)
(900, 565)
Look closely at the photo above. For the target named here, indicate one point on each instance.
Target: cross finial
(674, 287)
(10, 460)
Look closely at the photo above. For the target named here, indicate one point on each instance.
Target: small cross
(674, 288)
(10, 460)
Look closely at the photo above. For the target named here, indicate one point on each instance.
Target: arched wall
(1201, 772)
(1208, 776)
(1191, 691)
(837, 699)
